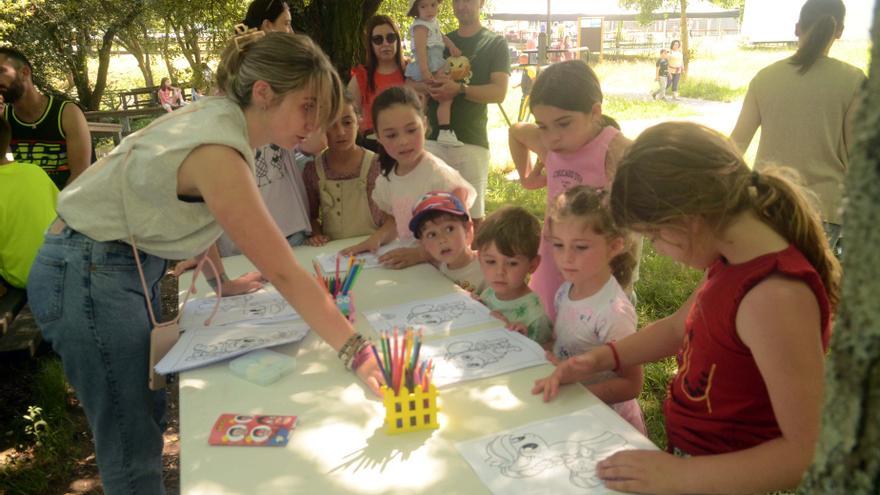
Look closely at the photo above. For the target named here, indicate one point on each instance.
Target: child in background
(596, 258)
(508, 242)
(170, 97)
(442, 224)
(746, 401)
(574, 143)
(526, 80)
(339, 183)
(407, 172)
(660, 75)
(428, 63)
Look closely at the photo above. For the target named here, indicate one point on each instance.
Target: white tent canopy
(774, 21)
(572, 9)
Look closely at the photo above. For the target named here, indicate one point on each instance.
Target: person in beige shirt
(804, 105)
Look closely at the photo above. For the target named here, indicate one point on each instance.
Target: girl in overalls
(340, 182)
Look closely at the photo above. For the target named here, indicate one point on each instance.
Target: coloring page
(201, 346)
(480, 355)
(327, 261)
(266, 305)
(552, 456)
(433, 316)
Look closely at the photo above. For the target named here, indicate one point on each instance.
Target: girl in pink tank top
(575, 146)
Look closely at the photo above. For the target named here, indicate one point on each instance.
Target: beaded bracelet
(350, 348)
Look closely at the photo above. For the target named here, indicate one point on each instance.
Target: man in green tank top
(46, 130)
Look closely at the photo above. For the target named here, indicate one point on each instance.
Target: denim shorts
(89, 303)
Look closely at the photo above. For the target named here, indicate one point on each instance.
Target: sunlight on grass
(623, 108)
(709, 89)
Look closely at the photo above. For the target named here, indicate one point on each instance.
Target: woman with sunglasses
(384, 68)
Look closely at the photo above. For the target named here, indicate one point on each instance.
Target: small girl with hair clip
(573, 140)
(595, 258)
(743, 410)
(340, 181)
(408, 171)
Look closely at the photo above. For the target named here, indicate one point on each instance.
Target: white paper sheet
(327, 261)
(480, 355)
(206, 345)
(434, 316)
(552, 456)
(266, 305)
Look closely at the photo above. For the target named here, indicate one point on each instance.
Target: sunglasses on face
(389, 38)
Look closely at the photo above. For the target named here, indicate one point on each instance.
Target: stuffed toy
(459, 69)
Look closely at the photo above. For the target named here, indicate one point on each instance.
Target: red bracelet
(616, 356)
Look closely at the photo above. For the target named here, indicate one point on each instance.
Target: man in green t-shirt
(490, 66)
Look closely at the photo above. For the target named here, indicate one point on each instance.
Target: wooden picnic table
(102, 129)
(123, 116)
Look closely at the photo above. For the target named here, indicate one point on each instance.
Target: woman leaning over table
(173, 187)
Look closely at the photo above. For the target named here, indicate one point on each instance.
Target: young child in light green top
(508, 252)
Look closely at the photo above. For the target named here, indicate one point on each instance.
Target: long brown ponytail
(680, 169)
(819, 23)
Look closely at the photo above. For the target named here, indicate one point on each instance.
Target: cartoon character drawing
(205, 351)
(435, 314)
(528, 455)
(478, 355)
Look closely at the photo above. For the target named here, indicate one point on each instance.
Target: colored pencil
(383, 339)
(379, 362)
(337, 276)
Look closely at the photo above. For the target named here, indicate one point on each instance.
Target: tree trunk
(167, 56)
(336, 27)
(132, 45)
(684, 38)
(847, 458)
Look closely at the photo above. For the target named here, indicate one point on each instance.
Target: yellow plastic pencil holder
(410, 411)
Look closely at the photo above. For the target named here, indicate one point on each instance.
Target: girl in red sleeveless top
(743, 410)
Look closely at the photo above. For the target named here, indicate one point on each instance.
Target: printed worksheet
(327, 261)
(201, 346)
(480, 355)
(552, 456)
(266, 305)
(433, 316)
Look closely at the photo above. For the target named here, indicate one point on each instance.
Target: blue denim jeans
(89, 303)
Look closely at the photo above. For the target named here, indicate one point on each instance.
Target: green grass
(502, 191)
(710, 89)
(49, 447)
(624, 108)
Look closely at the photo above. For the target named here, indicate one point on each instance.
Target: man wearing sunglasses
(490, 65)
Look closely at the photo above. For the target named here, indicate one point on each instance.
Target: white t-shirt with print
(397, 194)
(585, 324)
(468, 277)
(280, 182)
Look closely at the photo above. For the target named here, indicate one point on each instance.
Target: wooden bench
(122, 116)
(147, 97)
